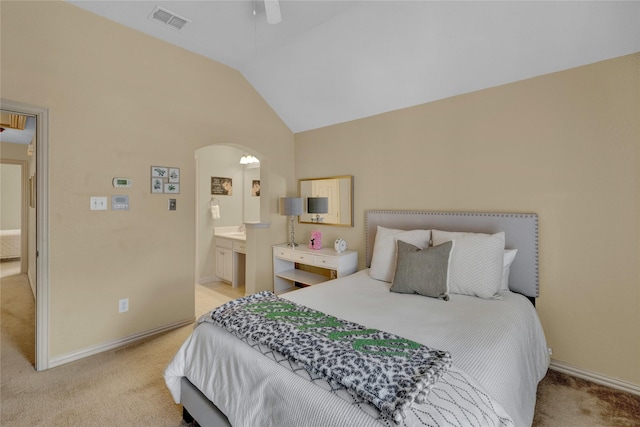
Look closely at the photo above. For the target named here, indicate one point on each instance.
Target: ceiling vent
(168, 18)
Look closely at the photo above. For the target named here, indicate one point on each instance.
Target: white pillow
(477, 262)
(509, 256)
(383, 259)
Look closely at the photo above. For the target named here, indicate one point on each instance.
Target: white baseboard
(90, 351)
(207, 279)
(596, 378)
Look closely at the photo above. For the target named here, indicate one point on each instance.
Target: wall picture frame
(157, 185)
(174, 175)
(159, 172)
(255, 188)
(171, 188)
(221, 186)
(165, 179)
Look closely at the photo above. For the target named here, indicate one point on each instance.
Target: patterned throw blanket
(388, 371)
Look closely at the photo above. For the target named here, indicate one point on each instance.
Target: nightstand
(307, 267)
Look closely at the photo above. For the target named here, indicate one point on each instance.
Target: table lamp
(291, 206)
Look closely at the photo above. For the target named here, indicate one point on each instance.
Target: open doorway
(27, 126)
(220, 269)
(17, 133)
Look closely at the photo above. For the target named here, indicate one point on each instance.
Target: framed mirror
(327, 201)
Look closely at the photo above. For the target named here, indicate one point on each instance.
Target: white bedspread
(498, 346)
(9, 244)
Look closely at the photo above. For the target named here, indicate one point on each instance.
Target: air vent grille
(169, 18)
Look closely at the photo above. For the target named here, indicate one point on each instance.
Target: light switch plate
(98, 203)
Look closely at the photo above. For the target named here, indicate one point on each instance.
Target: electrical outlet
(550, 351)
(123, 305)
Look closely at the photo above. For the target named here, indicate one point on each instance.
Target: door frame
(42, 225)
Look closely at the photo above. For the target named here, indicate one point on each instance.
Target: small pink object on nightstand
(315, 242)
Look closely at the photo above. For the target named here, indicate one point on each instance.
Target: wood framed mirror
(332, 194)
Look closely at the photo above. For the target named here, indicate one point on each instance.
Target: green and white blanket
(388, 371)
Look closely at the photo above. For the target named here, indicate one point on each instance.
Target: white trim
(196, 249)
(594, 377)
(208, 279)
(121, 342)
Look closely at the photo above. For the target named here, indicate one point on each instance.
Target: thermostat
(122, 182)
(120, 203)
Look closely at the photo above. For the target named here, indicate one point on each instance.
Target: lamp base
(292, 228)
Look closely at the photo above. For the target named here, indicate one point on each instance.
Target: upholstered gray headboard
(521, 232)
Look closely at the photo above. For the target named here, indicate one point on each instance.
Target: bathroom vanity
(230, 253)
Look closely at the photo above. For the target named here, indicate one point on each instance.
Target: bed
(497, 344)
(9, 244)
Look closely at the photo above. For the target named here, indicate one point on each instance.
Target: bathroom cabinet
(230, 260)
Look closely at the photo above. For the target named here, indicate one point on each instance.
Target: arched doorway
(243, 207)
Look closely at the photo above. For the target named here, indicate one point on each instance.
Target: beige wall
(565, 146)
(119, 102)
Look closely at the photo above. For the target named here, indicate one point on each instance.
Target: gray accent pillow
(422, 271)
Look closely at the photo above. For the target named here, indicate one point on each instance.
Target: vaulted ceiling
(329, 62)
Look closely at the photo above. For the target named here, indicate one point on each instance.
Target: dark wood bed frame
(521, 232)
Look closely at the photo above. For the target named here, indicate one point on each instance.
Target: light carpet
(125, 387)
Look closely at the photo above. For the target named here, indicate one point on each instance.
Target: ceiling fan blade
(272, 9)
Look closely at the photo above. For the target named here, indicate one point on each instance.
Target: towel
(215, 212)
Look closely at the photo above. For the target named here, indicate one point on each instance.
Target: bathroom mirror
(338, 190)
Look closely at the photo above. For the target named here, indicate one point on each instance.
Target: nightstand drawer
(283, 253)
(303, 257)
(325, 261)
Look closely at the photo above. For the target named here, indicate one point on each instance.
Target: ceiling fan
(272, 10)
